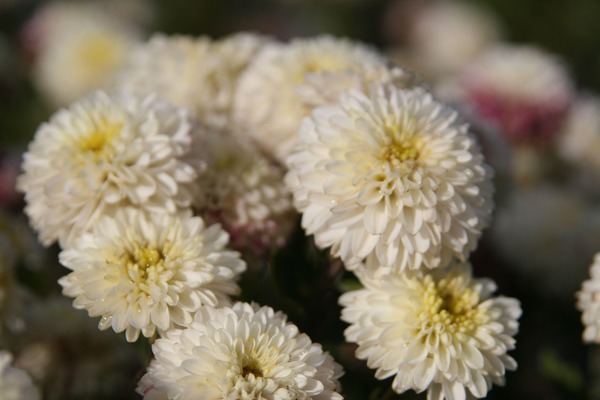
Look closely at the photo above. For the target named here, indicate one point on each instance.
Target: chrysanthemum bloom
(526, 91)
(193, 72)
(243, 190)
(441, 332)
(392, 175)
(82, 47)
(15, 384)
(588, 302)
(104, 152)
(267, 104)
(547, 233)
(143, 272)
(244, 352)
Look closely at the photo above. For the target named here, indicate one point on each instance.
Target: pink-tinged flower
(526, 91)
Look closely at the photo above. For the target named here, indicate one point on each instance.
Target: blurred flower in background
(243, 190)
(267, 104)
(545, 233)
(193, 72)
(77, 47)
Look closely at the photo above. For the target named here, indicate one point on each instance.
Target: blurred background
(570, 30)
(547, 223)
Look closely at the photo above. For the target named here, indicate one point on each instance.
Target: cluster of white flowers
(393, 182)
(244, 131)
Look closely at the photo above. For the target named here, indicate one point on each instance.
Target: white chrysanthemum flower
(440, 332)
(104, 152)
(267, 104)
(393, 176)
(244, 191)
(83, 47)
(192, 72)
(15, 384)
(244, 352)
(149, 272)
(522, 88)
(547, 233)
(588, 302)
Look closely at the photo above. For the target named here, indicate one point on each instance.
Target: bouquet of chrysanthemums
(251, 218)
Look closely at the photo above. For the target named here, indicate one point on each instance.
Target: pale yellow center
(256, 357)
(144, 263)
(251, 366)
(404, 145)
(97, 142)
(450, 304)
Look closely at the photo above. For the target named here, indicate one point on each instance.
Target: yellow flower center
(98, 141)
(449, 306)
(255, 357)
(251, 366)
(400, 152)
(404, 145)
(144, 263)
